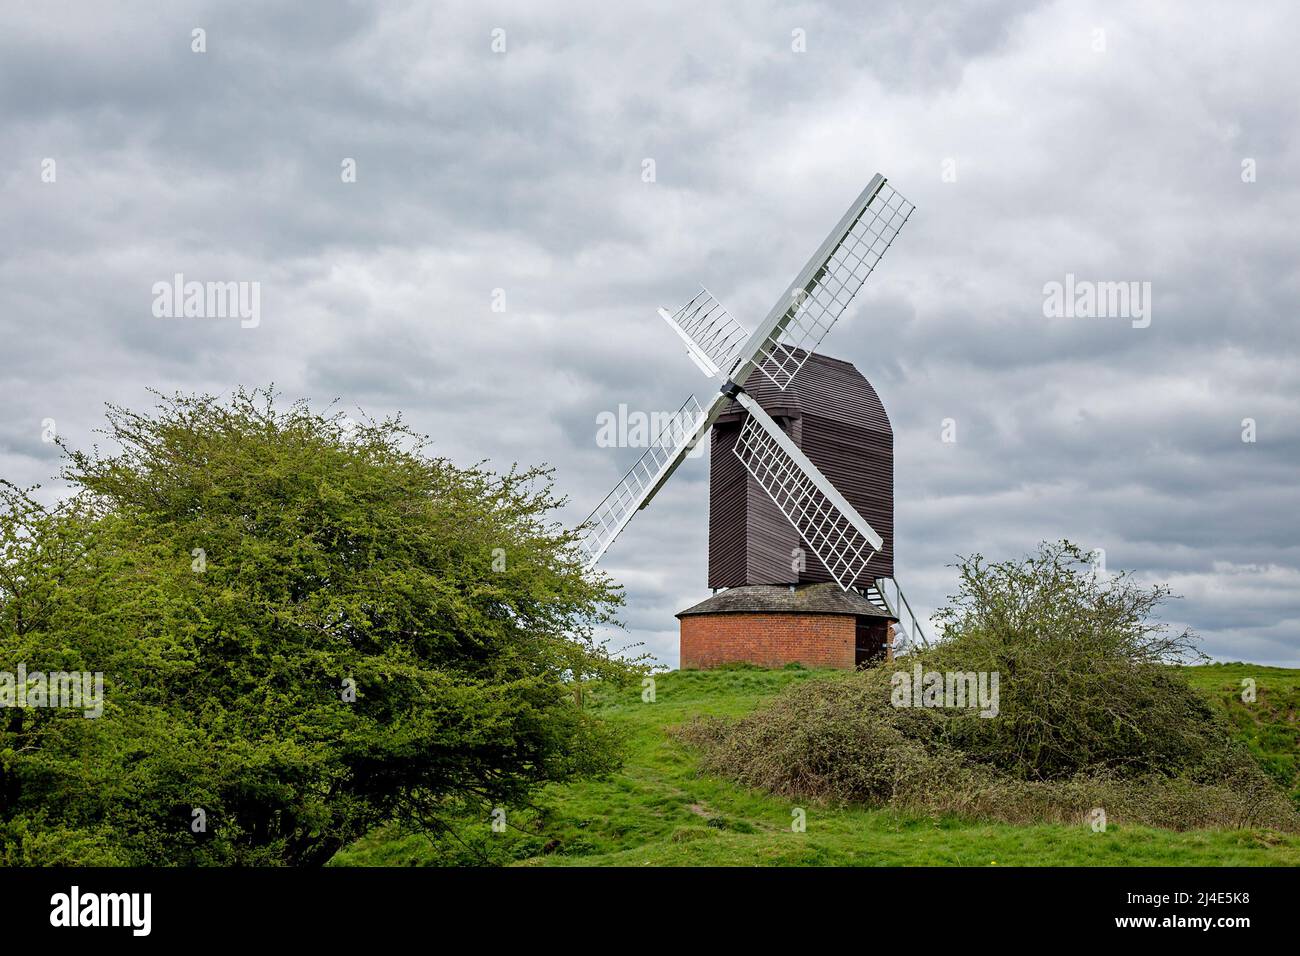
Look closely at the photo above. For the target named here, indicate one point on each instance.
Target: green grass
(1270, 725)
(659, 812)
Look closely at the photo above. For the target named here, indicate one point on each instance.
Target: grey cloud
(523, 172)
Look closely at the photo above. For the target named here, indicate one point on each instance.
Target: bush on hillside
(1089, 715)
(1082, 665)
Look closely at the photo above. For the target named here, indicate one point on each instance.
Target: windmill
(768, 359)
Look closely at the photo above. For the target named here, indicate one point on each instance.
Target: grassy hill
(659, 812)
(1271, 725)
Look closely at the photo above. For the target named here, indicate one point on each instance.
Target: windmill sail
(713, 338)
(829, 525)
(668, 450)
(827, 284)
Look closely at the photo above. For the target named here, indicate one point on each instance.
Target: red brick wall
(769, 640)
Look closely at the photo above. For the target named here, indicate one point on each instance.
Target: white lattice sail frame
(668, 448)
(817, 303)
(713, 338)
(832, 528)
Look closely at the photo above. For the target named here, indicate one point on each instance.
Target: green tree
(306, 627)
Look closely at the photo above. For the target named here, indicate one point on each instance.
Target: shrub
(1081, 663)
(1090, 715)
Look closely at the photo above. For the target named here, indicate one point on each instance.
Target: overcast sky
(1114, 142)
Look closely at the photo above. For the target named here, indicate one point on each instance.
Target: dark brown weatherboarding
(835, 417)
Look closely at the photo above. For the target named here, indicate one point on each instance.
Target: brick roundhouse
(816, 625)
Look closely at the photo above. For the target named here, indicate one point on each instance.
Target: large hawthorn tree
(307, 626)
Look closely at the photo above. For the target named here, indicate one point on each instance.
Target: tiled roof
(782, 599)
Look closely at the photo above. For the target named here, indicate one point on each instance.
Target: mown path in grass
(658, 811)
